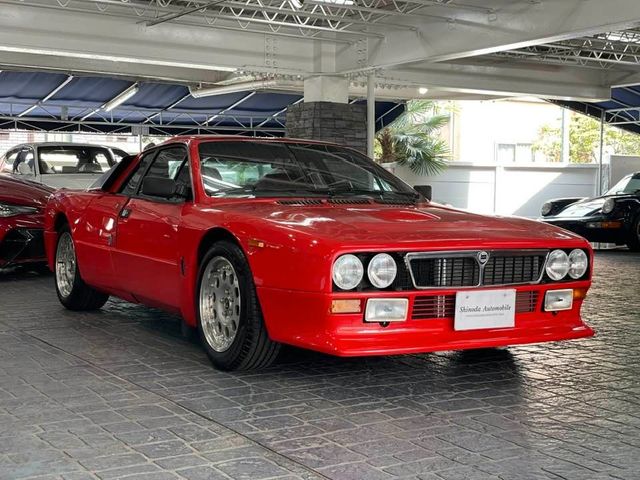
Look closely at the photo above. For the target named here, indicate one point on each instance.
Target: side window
(130, 187)
(8, 161)
(23, 163)
(168, 162)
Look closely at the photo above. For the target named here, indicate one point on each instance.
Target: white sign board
(485, 309)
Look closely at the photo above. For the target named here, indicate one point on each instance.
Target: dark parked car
(611, 218)
(21, 220)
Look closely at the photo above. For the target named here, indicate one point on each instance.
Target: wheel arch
(59, 221)
(212, 236)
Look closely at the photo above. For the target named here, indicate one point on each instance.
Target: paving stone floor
(120, 394)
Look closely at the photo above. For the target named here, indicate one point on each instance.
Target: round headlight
(546, 209)
(347, 272)
(557, 265)
(382, 270)
(578, 263)
(608, 205)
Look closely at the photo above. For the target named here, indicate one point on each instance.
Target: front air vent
(349, 201)
(300, 202)
(432, 307)
(398, 201)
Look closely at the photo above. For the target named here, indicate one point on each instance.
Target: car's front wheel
(229, 316)
(72, 291)
(634, 236)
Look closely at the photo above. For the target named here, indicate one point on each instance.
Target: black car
(611, 218)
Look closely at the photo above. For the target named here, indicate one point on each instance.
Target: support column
(600, 173)
(326, 114)
(371, 113)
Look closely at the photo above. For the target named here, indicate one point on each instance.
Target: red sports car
(259, 243)
(22, 205)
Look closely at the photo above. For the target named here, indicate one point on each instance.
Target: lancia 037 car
(258, 243)
(611, 218)
(60, 164)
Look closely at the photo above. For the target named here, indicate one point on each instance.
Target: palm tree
(412, 139)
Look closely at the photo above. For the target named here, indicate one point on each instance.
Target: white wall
(622, 165)
(505, 190)
(481, 125)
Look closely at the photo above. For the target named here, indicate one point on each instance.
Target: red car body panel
(21, 235)
(151, 257)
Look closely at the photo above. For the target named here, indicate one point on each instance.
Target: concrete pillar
(326, 114)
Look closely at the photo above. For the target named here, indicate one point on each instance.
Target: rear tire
(72, 291)
(230, 320)
(634, 236)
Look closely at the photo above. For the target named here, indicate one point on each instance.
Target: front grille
(22, 244)
(511, 269)
(464, 269)
(444, 306)
(445, 271)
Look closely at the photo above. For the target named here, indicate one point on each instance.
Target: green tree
(412, 139)
(584, 140)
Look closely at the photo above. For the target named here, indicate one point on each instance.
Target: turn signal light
(346, 306)
(604, 225)
(579, 293)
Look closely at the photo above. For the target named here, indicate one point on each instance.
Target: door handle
(125, 212)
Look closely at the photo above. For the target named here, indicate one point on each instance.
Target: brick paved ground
(119, 394)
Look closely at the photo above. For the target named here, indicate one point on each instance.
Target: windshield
(74, 159)
(629, 184)
(278, 169)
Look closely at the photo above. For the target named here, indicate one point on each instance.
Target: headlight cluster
(546, 209)
(348, 271)
(9, 210)
(559, 264)
(608, 206)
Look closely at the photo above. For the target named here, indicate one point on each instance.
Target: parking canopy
(59, 102)
(621, 110)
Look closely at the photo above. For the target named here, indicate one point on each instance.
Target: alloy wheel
(220, 304)
(65, 264)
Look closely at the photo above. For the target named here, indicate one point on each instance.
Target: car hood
(375, 225)
(23, 192)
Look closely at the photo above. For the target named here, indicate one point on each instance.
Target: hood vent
(300, 202)
(349, 201)
(396, 201)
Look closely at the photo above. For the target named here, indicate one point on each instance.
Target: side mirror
(159, 187)
(424, 190)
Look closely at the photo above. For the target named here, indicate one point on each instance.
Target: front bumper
(305, 320)
(21, 240)
(588, 228)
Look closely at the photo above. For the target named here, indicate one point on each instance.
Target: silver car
(70, 165)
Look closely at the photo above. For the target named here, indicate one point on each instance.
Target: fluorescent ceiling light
(296, 4)
(423, 90)
(337, 2)
(120, 99)
(114, 58)
(233, 88)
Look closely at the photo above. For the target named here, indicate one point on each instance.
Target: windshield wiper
(276, 192)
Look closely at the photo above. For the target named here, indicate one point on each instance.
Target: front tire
(634, 236)
(72, 291)
(229, 317)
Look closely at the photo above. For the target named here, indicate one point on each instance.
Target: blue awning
(621, 110)
(53, 102)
